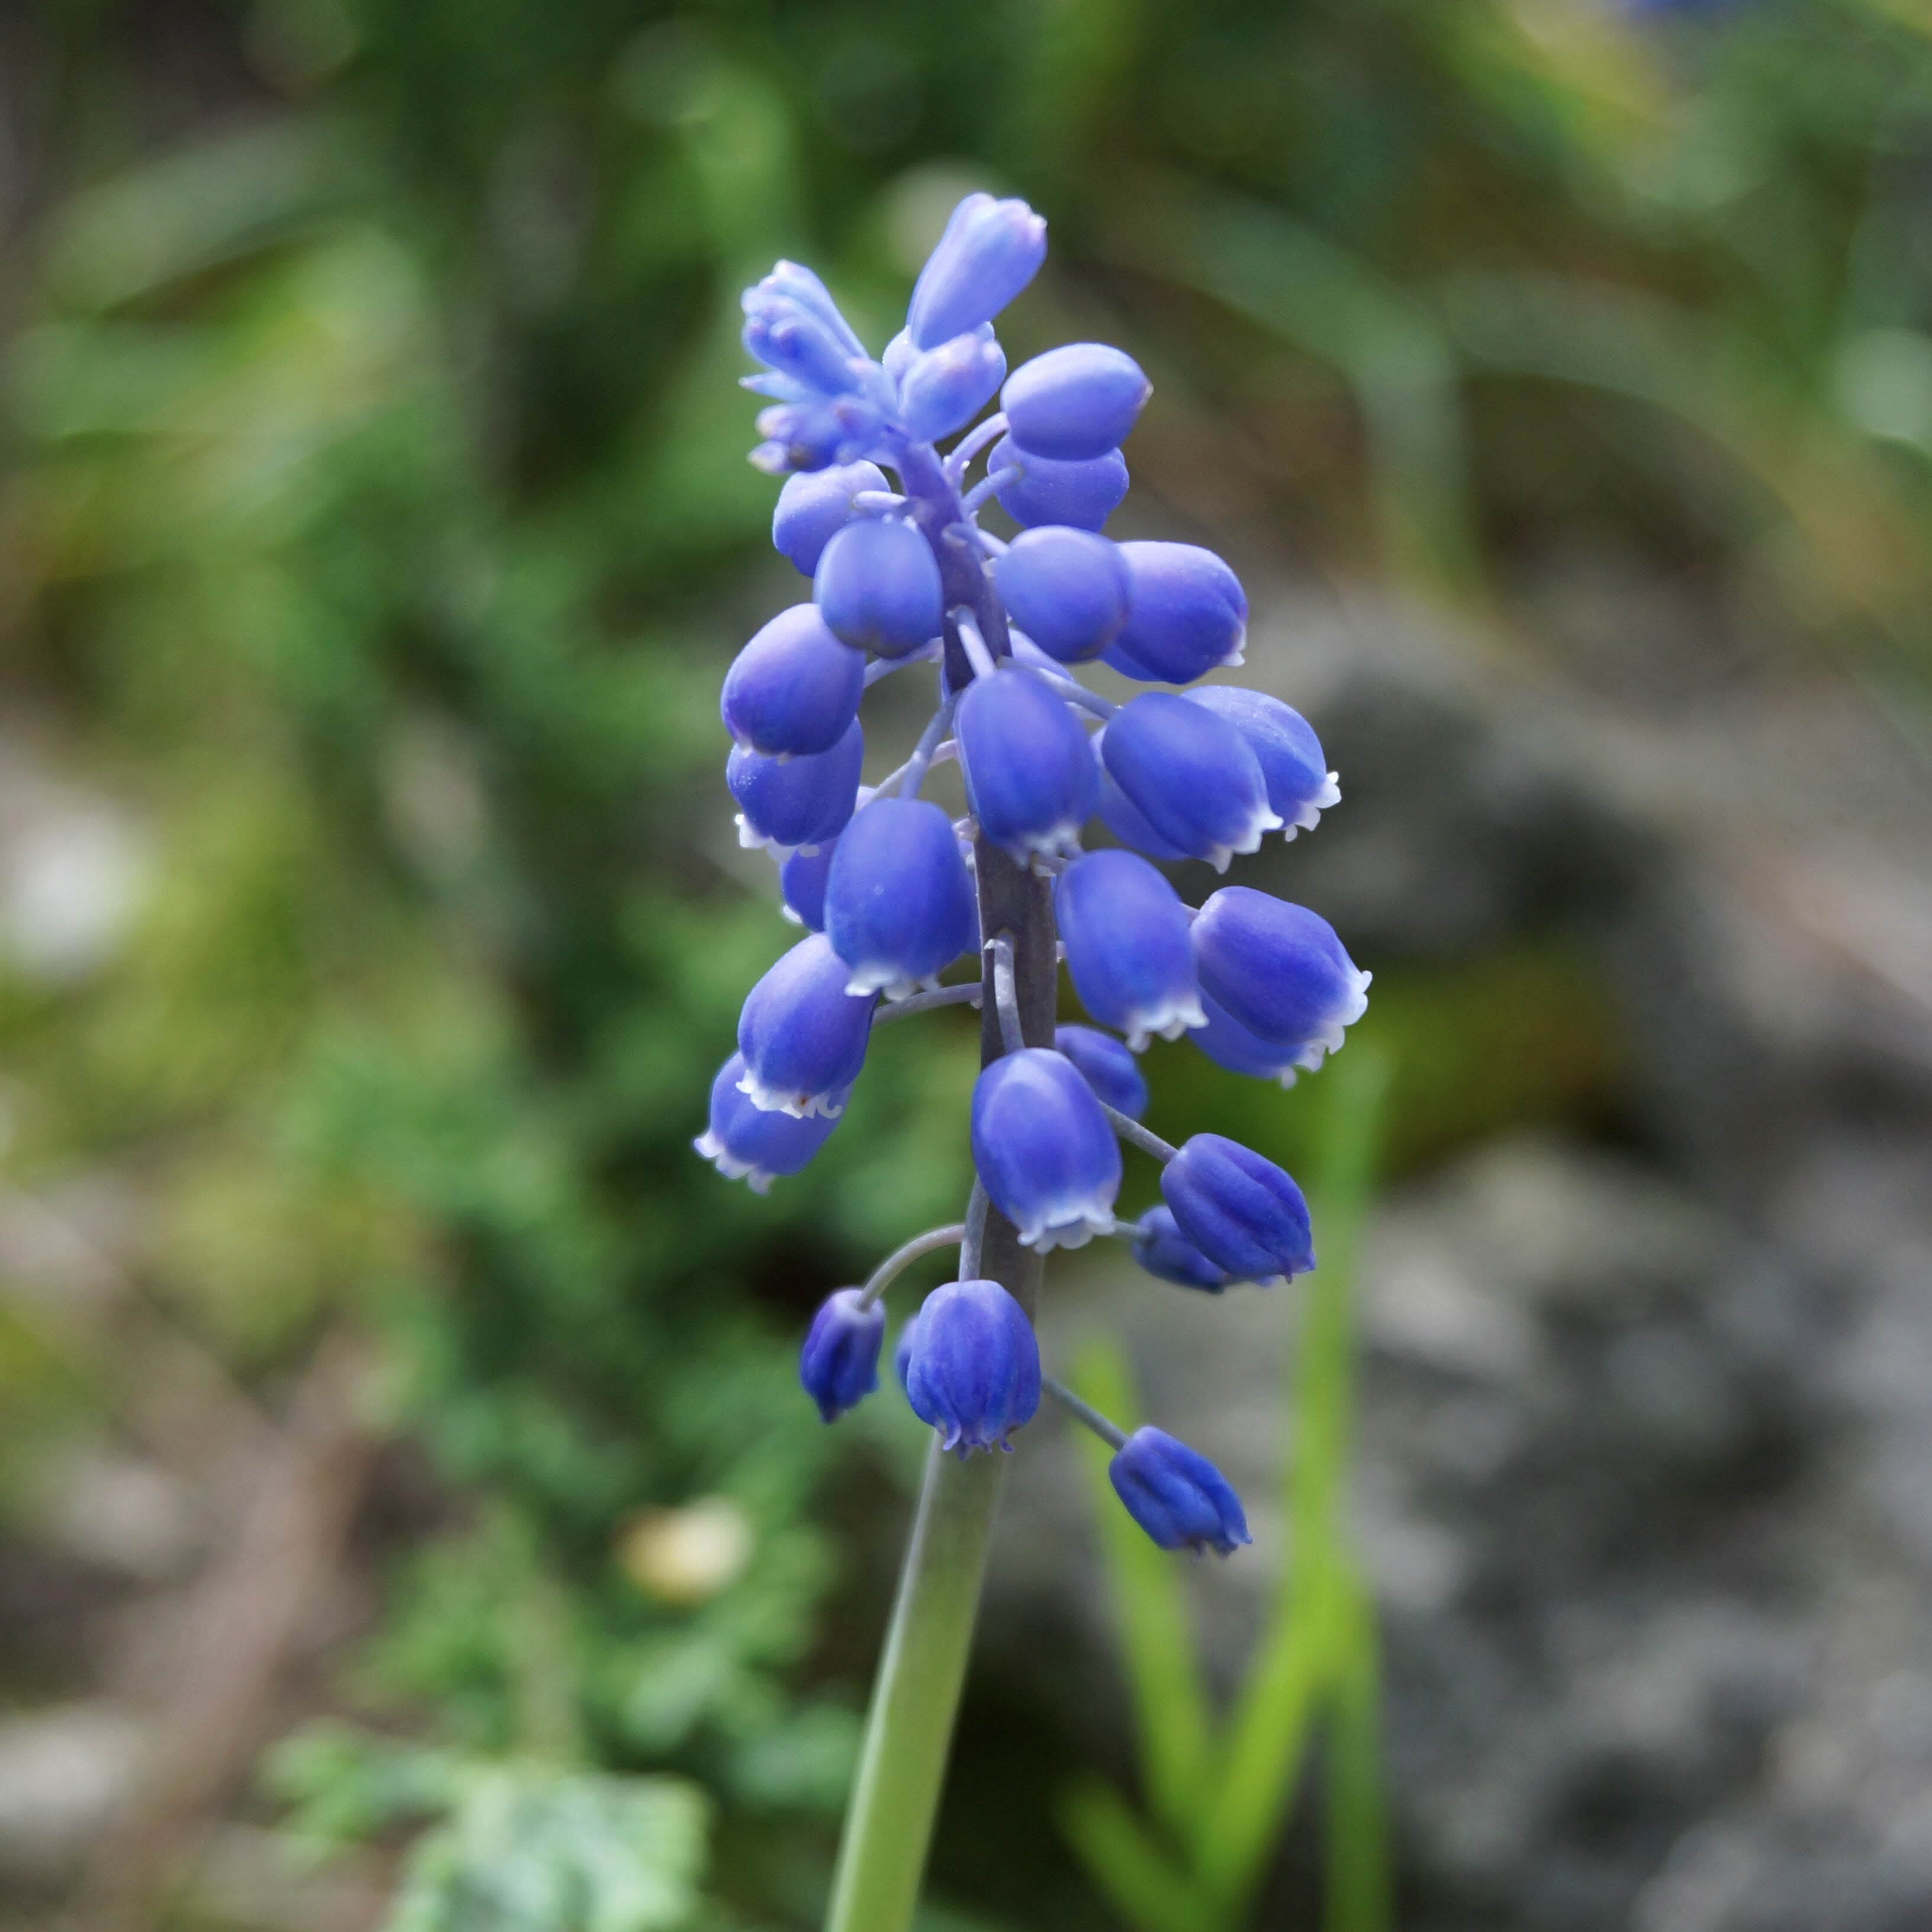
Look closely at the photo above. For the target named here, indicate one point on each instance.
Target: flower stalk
(916, 1697)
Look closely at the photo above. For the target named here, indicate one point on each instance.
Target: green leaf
(1148, 1889)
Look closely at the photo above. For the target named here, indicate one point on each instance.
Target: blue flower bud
(813, 504)
(1300, 787)
(791, 285)
(878, 586)
(1043, 1149)
(809, 435)
(1106, 1067)
(1160, 1247)
(1128, 949)
(802, 1035)
(990, 251)
(839, 1366)
(745, 1142)
(794, 688)
(801, 885)
(1075, 402)
(1228, 1044)
(1176, 1495)
(796, 801)
(1066, 589)
(786, 336)
(944, 388)
(1241, 1211)
(972, 1371)
(1191, 776)
(1081, 495)
(1279, 971)
(902, 1348)
(1124, 819)
(1030, 777)
(898, 904)
(1189, 614)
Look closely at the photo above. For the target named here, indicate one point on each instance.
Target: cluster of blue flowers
(884, 881)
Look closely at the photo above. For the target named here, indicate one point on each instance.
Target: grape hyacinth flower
(1176, 1495)
(1106, 1066)
(886, 524)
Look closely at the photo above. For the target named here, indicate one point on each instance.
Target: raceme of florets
(885, 525)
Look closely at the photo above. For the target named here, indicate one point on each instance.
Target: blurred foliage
(374, 527)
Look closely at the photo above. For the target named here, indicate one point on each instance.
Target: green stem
(909, 1727)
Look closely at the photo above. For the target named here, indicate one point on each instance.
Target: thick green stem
(909, 1728)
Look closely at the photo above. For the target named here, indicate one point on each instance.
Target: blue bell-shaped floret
(1300, 787)
(747, 1143)
(1043, 1149)
(1176, 1495)
(794, 688)
(839, 1366)
(902, 1348)
(794, 802)
(1030, 777)
(1228, 1044)
(1081, 495)
(802, 1035)
(990, 251)
(878, 586)
(1127, 946)
(1123, 817)
(1075, 402)
(1279, 971)
(1168, 1255)
(1189, 615)
(801, 885)
(943, 389)
(814, 505)
(899, 903)
(973, 1370)
(1106, 1066)
(1241, 1211)
(1066, 589)
(1190, 774)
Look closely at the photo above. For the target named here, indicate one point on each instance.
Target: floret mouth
(769, 1099)
(1308, 815)
(756, 1178)
(1072, 1229)
(1167, 1021)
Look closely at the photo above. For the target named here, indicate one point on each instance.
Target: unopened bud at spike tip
(990, 251)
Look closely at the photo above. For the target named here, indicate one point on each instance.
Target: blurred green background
(374, 528)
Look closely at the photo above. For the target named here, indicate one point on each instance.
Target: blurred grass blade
(1170, 1702)
(1296, 1657)
(1359, 1872)
(1145, 1885)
